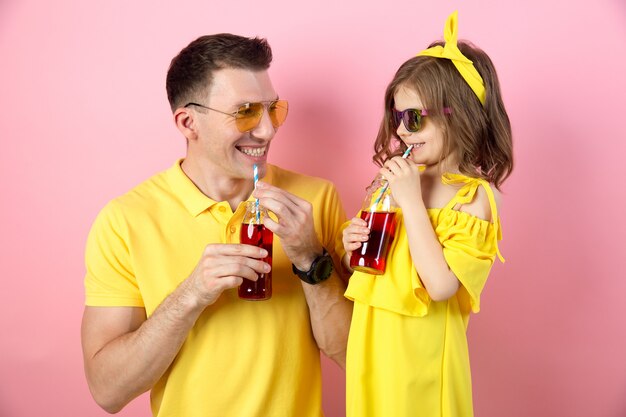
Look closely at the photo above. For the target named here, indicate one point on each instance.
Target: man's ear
(185, 122)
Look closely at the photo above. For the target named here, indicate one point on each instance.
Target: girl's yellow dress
(407, 355)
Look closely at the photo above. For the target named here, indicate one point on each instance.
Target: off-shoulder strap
(466, 195)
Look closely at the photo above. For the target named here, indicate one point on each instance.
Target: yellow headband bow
(451, 51)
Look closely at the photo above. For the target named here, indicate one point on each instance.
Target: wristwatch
(320, 270)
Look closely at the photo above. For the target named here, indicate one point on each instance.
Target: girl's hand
(354, 235)
(404, 179)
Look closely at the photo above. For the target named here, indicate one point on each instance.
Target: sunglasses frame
(243, 121)
(397, 116)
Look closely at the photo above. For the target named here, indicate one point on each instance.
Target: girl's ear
(184, 119)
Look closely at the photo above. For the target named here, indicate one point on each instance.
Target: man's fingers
(245, 268)
(265, 189)
(227, 250)
(225, 283)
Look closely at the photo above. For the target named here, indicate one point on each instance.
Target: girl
(407, 349)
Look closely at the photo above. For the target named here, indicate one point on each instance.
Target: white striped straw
(256, 201)
(382, 192)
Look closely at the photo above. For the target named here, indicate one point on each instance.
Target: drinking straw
(382, 191)
(256, 200)
(407, 152)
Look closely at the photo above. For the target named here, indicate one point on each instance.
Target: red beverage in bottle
(257, 235)
(372, 255)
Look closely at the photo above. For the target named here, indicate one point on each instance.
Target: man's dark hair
(191, 72)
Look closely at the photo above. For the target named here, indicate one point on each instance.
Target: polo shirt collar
(192, 198)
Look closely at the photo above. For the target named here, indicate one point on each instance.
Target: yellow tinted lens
(248, 116)
(278, 112)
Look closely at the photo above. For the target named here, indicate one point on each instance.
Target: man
(163, 262)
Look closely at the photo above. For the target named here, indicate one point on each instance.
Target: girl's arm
(426, 251)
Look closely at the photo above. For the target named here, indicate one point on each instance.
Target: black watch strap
(320, 269)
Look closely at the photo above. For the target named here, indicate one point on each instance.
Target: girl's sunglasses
(248, 115)
(412, 118)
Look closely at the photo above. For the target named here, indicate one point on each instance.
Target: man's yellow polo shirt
(241, 358)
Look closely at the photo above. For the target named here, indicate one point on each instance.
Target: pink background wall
(84, 117)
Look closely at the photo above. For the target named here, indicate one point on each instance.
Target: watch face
(323, 269)
(320, 270)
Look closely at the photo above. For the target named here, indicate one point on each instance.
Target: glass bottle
(254, 232)
(379, 211)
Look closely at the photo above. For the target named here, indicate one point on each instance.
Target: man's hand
(224, 266)
(295, 224)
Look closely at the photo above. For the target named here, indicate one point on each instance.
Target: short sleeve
(110, 280)
(469, 247)
(422, 299)
(331, 224)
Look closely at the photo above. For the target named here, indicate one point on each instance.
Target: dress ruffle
(470, 245)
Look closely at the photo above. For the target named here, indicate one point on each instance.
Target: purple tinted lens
(410, 117)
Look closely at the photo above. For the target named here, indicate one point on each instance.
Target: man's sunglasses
(248, 115)
(412, 118)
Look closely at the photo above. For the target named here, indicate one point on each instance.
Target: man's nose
(265, 129)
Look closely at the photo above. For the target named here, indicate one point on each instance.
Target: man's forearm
(132, 363)
(330, 315)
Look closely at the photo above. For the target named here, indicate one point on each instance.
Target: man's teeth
(418, 145)
(253, 151)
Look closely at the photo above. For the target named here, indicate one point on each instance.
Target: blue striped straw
(382, 191)
(256, 201)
